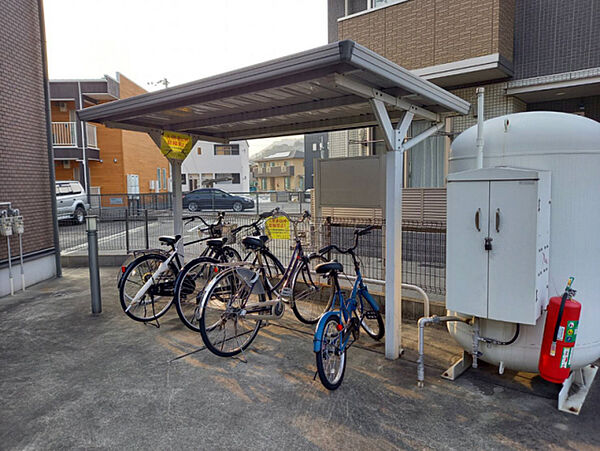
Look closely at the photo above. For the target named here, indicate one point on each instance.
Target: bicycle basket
(226, 232)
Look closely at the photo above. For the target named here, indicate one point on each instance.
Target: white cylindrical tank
(569, 146)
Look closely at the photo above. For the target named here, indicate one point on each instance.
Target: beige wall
(423, 33)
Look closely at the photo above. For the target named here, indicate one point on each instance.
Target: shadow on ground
(70, 380)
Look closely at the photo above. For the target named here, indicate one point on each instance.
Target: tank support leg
(459, 367)
(575, 389)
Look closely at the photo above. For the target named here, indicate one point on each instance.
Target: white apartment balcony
(64, 134)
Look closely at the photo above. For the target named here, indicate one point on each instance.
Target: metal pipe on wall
(50, 148)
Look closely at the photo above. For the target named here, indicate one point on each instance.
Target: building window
(287, 183)
(272, 164)
(301, 183)
(158, 186)
(263, 165)
(263, 184)
(228, 178)
(164, 178)
(285, 163)
(227, 149)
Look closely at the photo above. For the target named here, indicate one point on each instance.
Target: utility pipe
(422, 323)
(479, 142)
(426, 303)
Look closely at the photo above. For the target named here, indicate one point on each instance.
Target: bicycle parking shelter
(338, 86)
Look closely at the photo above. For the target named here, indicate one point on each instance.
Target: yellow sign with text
(175, 145)
(278, 228)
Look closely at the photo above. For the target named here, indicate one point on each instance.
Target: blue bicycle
(339, 328)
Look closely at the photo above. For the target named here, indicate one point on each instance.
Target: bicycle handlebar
(350, 250)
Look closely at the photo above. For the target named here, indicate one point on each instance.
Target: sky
(180, 40)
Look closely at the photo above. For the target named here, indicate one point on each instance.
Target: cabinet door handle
(498, 220)
(477, 215)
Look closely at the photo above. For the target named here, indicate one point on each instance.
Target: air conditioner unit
(62, 106)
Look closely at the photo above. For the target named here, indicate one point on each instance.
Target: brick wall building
(528, 54)
(104, 160)
(25, 172)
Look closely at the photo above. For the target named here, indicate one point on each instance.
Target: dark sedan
(215, 199)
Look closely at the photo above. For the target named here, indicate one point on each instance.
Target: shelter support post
(176, 164)
(396, 146)
(177, 200)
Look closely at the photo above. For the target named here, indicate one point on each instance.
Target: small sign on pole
(175, 145)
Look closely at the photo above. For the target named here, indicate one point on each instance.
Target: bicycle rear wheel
(331, 362)
(311, 295)
(189, 288)
(225, 329)
(159, 296)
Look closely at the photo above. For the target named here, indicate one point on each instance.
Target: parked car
(71, 201)
(215, 199)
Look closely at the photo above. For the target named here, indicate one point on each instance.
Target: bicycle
(194, 276)
(242, 296)
(147, 284)
(337, 330)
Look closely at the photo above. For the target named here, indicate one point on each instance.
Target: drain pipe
(479, 142)
(422, 323)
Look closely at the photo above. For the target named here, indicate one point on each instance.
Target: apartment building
(224, 166)
(281, 171)
(26, 177)
(528, 54)
(104, 160)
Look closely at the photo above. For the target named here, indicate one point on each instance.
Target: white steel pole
(177, 201)
(479, 142)
(393, 253)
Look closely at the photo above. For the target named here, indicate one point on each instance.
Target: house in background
(223, 166)
(281, 171)
(104, 160)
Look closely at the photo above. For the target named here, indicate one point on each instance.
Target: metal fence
(111, 205)
(423, 244)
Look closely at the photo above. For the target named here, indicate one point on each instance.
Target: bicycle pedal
(371, 314)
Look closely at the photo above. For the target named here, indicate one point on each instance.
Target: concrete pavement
(70, 380)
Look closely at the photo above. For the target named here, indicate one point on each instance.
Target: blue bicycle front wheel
(331, 358)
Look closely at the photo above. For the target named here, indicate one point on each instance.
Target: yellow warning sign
(278, 228)
(175, 145)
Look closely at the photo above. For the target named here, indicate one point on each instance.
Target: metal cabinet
(498, 243)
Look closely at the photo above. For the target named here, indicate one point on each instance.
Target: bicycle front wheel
(189, 288)
(331, 360)
(370, 319)
(225, 327)
(311, 295)
(157, 299)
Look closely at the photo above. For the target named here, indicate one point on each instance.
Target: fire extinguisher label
(565, 360)
(571, 332)
(561, 333)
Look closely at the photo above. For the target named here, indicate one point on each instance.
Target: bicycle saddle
(255, 242)
(169, 239)
(324, 268)
(216, 242)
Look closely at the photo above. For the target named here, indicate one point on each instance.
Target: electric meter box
(5, 226)
(498, 241)
(18, 225)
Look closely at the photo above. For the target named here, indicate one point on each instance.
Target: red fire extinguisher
(560, 333)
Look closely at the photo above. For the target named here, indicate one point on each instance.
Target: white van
(71, 201)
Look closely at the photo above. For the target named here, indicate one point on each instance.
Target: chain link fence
(423, 243)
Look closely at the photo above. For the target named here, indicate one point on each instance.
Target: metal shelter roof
(323, 89)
